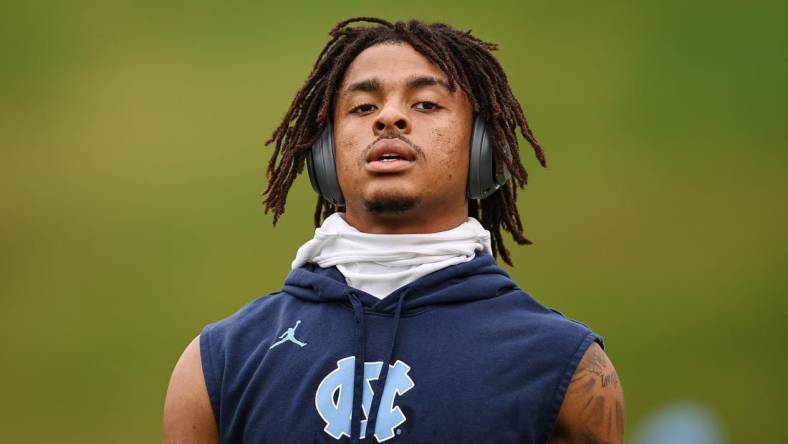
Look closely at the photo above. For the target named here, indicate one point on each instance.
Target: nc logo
(336, 408)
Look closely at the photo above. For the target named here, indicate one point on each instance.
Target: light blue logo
(334, 398)
(289, 335)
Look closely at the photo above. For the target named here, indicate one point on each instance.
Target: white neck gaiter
(380, 263)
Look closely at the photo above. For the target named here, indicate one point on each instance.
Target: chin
(390, 200)
(391, 205)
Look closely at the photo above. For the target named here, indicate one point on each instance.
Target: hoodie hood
(477, 279)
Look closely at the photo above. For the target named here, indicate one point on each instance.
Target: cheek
(452, 154)
(348, 148)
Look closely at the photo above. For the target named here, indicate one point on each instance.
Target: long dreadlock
(465, 59)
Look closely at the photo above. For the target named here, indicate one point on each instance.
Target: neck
(413, 221)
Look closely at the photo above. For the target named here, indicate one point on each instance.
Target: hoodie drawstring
(358, 372)
(358, 375)
(384, 372)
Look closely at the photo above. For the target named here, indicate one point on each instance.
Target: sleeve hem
(563, 385)
(209, 372)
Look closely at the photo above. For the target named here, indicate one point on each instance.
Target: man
(407, 330)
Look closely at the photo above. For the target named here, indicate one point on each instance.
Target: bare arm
(593, 409)
(188, 417)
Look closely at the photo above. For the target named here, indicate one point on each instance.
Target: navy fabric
(471, 358)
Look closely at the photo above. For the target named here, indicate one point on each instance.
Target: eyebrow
(422, 81)
(369, 85)
(415, 82)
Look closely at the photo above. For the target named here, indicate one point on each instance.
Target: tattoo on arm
(598, 412)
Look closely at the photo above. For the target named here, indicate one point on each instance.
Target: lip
(406, 154)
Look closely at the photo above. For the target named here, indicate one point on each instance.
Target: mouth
(390, 156)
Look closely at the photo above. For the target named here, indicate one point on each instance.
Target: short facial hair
(388, 134)
(392, 205)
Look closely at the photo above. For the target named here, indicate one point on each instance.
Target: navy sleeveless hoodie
(461, 355)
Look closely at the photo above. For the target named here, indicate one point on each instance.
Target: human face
(402, 141)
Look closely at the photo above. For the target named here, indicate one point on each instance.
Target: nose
(391, 119)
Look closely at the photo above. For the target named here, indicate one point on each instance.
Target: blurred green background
(132, 161)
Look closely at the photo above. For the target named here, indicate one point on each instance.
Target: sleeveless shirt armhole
(566, 379)
(209, 372)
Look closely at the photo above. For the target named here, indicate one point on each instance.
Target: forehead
(391, 63)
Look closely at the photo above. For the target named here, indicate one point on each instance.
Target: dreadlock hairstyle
(466, 60)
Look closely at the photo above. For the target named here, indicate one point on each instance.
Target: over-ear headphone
(482, 178)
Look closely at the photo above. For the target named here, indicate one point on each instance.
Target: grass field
(132, 160)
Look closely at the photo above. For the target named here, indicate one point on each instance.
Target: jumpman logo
(289, 335)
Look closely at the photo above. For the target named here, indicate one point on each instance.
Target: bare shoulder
(188, 416)
(593, 408)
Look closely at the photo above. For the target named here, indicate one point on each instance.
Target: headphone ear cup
(482, 178)
(322, 167)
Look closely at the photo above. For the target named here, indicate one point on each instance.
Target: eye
(427, 106)
(363, 108)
